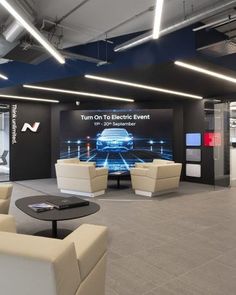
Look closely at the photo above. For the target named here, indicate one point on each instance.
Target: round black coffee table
(55, 215)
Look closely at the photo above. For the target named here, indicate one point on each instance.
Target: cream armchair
(38, 265)
(155, 179)
(76, 161)
(84, 180)
(5, 197)
(154, 162)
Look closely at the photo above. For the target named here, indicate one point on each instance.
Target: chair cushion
(138, 171)
(90, 245)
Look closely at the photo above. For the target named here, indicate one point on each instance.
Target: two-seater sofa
(158, 177)
(81, 178)
(32, 265)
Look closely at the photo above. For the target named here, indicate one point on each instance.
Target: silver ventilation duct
(192, 20)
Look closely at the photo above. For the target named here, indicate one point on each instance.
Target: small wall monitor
(193, 155)
(193, 139)
(193, 170)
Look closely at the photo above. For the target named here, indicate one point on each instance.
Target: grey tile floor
(181, 243)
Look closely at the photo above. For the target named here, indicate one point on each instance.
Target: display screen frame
(147, 133)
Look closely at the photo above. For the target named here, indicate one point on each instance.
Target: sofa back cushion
(76, 161)
(162, 162)
(164, 171)
(169, 171)
(37, 265)
(68, 170)
(5, 190)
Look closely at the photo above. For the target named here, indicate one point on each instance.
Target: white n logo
(33, 128)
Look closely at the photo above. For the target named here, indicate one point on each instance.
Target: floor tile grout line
(193, 269)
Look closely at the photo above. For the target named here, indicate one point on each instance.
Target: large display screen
(117, 139)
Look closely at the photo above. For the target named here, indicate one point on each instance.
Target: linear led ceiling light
(28, 98)
(3, 77)
(157, 19)
(33, 31)
(144, 86)
(79, 93)
(205, 71)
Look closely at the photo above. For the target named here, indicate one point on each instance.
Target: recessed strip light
(33, 31)
(3, 77)
(205, 71)
(28, 98)
(79, 93)
(143, 86)
(157, 19)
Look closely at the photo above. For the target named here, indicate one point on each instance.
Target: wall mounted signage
(193, 139)
(33, 128)
(14, 124)
(193, 170)
(212, 139)
(193, 155)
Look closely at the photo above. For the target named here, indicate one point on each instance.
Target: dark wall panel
(194, 121)
(31, 154)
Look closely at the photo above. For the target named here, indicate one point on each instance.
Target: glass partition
(233, 144)
(216, 140)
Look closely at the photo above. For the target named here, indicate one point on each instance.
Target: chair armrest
(101, 171)
(7, 223)
(5, 190)
(90, 244)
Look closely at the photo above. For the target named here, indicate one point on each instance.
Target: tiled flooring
(178, 244)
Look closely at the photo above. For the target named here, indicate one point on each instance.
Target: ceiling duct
(35, 54)
(14, 30)
(187, 22)
(222, 48)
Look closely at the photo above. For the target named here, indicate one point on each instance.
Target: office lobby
(118, 147)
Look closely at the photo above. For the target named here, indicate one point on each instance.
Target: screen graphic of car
(114, 139)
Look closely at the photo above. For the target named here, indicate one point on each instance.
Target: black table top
(55, 214)
(119, 173)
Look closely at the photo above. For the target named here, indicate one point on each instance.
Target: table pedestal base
(48, 233)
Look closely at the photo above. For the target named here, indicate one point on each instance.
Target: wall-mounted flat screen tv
(193, 139)
(117, 139)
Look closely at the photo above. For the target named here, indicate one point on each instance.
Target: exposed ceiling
(167, 76)
(83, 21)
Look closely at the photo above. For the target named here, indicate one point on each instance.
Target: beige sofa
(154, 179)
(82, 179)
(5, 197)
(33, 265)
